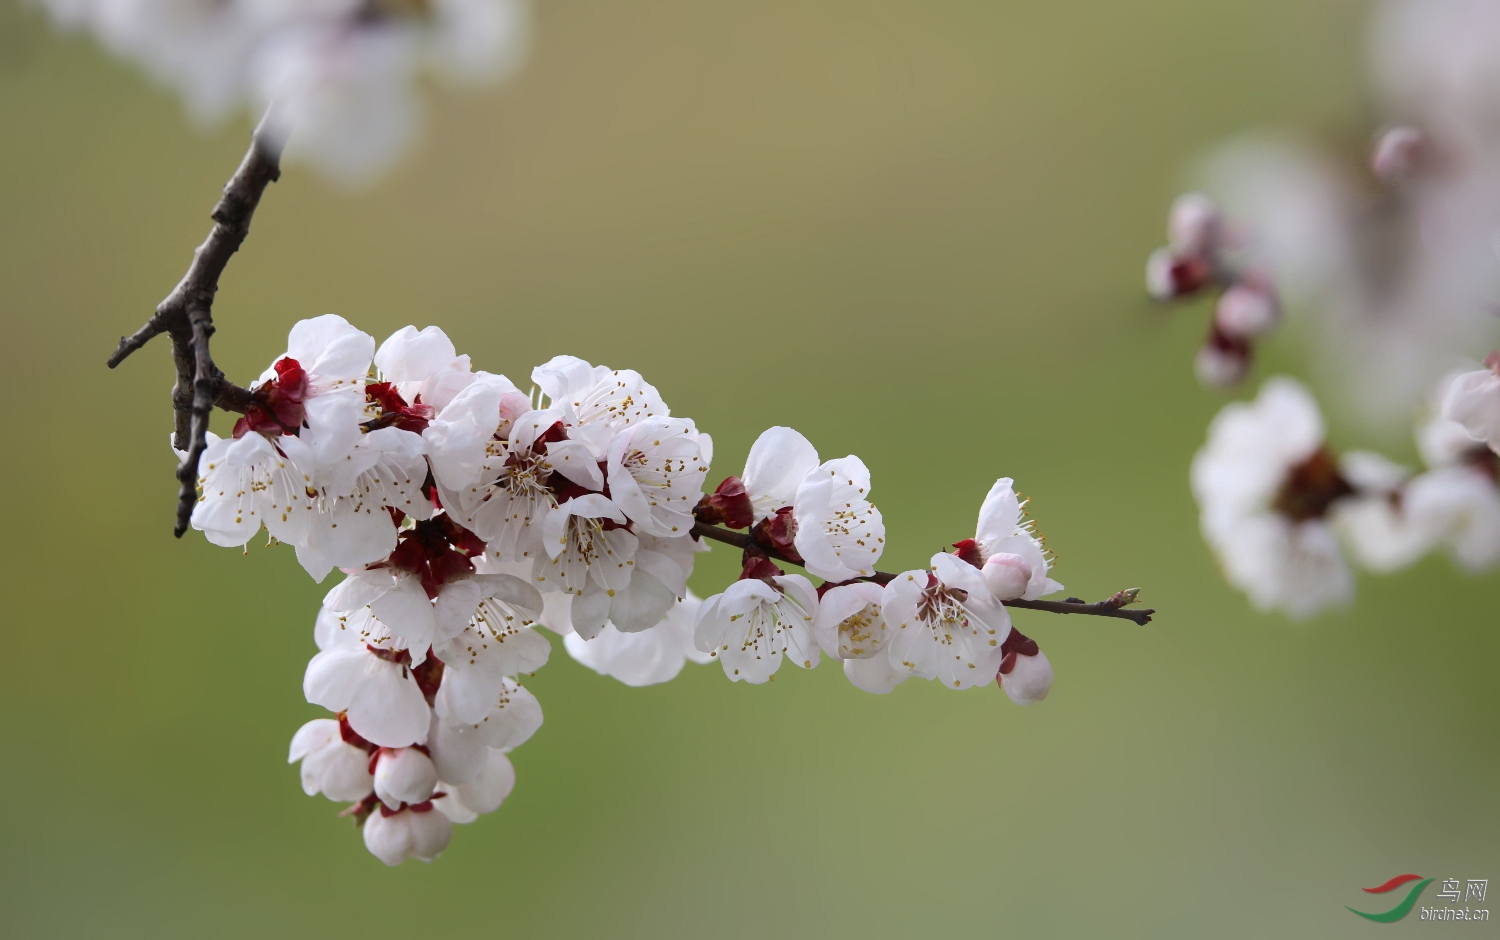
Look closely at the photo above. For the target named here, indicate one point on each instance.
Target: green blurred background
(913, 230)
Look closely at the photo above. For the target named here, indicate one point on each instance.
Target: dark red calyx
(552, 435)
(968, 550)
(437, 550)
(729, 505)
(351, 737)
(423, 807)
(397, 516)
(757, 564)
(1228, 345)
(278, 403)
(778, 533)
(1485, 461)
(1020, 644)
(394, 411)
(362, 810)
(1016, 644)
(1311, 487)
(429, 676)
(1190, 274)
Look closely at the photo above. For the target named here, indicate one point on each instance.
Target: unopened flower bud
(1029, 679)
(403, 775)
(1170, 275)
(1398, 154)
(1222, 360)
(1246, 311)
(1007, 575)
(1193, 224)
(414, 832)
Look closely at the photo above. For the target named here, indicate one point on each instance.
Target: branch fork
(186, 315)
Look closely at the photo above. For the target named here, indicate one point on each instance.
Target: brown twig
(1114, 606)
(186, 315)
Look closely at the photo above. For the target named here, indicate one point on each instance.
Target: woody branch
(1114, 606)
(186, 315)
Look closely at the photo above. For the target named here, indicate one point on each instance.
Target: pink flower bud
(1399, 153)
(1246, 311)
(403, 775)
(1221, 362)
(1029, 680)
(1193, 224)
(1007, 575)
(1170, 275)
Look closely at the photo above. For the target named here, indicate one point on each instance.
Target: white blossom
(342, 73)
(481, 793)
(249, 481)
(330, 766)
(1003, 529)
(945, 625)
(588, 394)
(424, 366)
(753, 623)
(656, 471)
(490, 470)
(646, 657)
(779, 460)
(850, 626)
(839, 533)
(362, 677)
(459, 748)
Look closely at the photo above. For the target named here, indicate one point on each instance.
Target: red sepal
(968, 550)
(757, 564)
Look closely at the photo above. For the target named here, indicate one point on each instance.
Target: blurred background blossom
(1386, 248)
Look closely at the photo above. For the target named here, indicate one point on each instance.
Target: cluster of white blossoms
(339, 77)
(1284, 515)
(464, 513)
(1388, 267)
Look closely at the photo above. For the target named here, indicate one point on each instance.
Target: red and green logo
(1407, 903)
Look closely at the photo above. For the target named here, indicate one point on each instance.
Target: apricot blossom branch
(1114, 606)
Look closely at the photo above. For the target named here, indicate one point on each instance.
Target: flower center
(1311, 487)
